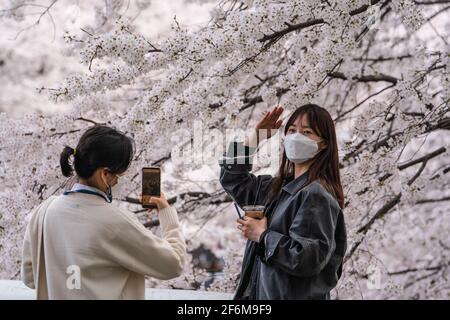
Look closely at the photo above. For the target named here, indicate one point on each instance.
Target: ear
(323, 144)
(103, 172)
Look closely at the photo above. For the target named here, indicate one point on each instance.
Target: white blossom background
(154, 68)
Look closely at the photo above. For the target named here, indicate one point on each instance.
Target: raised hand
(269, 122)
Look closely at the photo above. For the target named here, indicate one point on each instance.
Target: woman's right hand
(161, 202)
(268, 122)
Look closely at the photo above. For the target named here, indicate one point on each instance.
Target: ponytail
(66, 168)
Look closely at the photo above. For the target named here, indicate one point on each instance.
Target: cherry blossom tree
(381, 68)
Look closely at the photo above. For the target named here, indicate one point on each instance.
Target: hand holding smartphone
(151, 186)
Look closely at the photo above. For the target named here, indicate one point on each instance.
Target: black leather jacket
(301, 253)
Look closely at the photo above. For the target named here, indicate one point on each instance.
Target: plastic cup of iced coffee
(256, 212)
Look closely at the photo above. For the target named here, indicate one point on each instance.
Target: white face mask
(108, 186)
(109, 189)
(300, 148)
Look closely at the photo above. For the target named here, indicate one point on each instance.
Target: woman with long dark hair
(296, 251)
(80, 246)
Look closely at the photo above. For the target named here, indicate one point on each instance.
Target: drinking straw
(237, 209)
(257, 192)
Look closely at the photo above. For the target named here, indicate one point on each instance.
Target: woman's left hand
(252, 228)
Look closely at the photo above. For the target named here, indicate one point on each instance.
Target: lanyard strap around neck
(87, 192)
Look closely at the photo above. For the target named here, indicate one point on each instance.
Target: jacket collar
(292, 185)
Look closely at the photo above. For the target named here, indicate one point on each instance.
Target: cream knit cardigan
(78, 246)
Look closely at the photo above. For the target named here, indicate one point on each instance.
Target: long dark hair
(100, 146)
(325, 167)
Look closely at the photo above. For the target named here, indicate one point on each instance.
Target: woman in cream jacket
(80, 246)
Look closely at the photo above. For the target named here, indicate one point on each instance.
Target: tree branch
(279, 34)
(432, 200)
(416, 269)
(366, 78)
(425, 158)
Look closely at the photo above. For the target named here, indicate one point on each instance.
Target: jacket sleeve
(136, 248)
(243, 187)
(308, 247)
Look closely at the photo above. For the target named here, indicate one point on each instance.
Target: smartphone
(151, 185)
